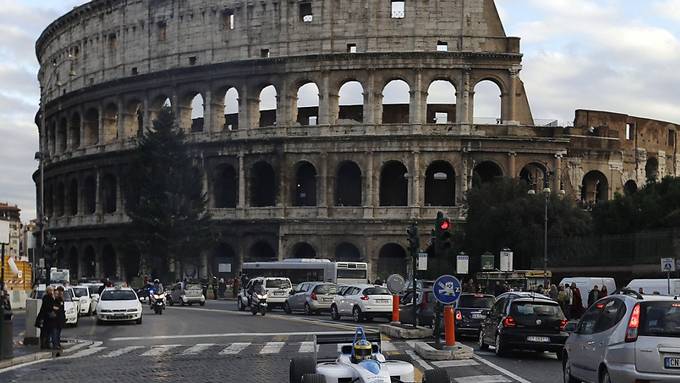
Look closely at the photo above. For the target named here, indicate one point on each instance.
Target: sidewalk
(31, 353)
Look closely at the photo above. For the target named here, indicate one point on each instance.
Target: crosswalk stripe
(306, 347)
(234, 348)
(197, 349)
(455, 363)
(122, 351)
(483, 379)
(272, 347)
(160, 350)
(85, 352)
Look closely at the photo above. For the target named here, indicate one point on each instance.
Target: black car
(524, 321)
(470, 310)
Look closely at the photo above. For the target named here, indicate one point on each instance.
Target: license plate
(477, 316)
(538, 339)
(382, 301)
(672, 363)
(328, 300)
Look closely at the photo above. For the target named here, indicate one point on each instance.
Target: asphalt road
(216, 343)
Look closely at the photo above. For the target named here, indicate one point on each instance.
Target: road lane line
(232, 335)
(455, 363)
(197, 349)
(306, 347)
(160, 350)
(388, 347)
(483, 379)
(234, 348)
(122, 351)
(272, 347)
(501, 369)
(418, 360)
(84, 353)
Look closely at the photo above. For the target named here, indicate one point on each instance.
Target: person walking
(222, 288)
(42, 320)
(593, 295)
(235, 286)
(59, 319)
(576, 307)
(603, 292)
(552, 293)
(563, 300)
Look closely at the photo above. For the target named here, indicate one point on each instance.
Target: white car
(362, 302)
(82, 293)
(119, 304)
(94, 295)
(278, 291)
(71, 307)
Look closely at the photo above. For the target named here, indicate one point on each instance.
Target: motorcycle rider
(157, 288)
(255, 288)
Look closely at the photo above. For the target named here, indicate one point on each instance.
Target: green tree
(165, 200)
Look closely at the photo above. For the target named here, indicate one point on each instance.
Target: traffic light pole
(414, 254)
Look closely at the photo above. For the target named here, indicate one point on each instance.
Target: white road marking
(483, 379)
(455, 363)
(272, 347)
(197, 349)
(307, 347)
(84, 353)
(501, 370)
(122, 351)
(18, 366)
(243, 334)
(388, 347)
(234, 348)
(418, 360)
(160, 350)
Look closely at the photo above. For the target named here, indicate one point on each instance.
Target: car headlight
(132, 310)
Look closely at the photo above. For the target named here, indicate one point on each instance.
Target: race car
(360, 362)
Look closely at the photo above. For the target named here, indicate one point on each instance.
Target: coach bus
(310, 270)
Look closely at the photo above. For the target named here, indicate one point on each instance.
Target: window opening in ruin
(91, 127)
(351, 48)
(303, 250)
(347, 252)
(671, 138)
(630, 131)
(263, 187)
(110, 123)
(228, 19)
(595, 188)
(630, 187)
(231, 109)
(396, 102)
(308, 104)
(135, 71)
(394, 184)
(304, 193)
(226, 187)
(162, 31)
(348, 185)
(391, 260)
(75, 131)
(90, 195)
(73, 198)
(440, 185)
(113, 41)
(652, 170)
(193, 60)
(486, 172)
(487, 103)
(351, 102)
(264, 53)
(535, 176)
(109, 194)
(398, 9)
(109, 264)
(197, 113)
(306, 15)
(442, 46)
(441, 102)
(261, 252)
(268, 105)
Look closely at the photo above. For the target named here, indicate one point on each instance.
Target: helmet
(362, 350)
(156, 280)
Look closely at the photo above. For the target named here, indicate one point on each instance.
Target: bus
(310, 270)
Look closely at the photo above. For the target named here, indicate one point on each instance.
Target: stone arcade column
(418, 101)
(463, 98)
(81, 113)
(101, 140)
(208, 107)
(370, 100)
(512, 100)
(120, 209)
(285, 104)
(369, 186)
(323, 186)
(99, 207)
(122, 118)
(557, 178)
(328, 102)
(241, 181)
(512, 164)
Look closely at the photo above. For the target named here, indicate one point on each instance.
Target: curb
(42, 355)
(457, 352)
(396, 332)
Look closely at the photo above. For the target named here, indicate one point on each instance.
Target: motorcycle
(158, 303)
(258, 303)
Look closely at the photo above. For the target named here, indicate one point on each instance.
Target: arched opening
(304, 193)
(90, 195)
(268, 105)
(630, 187)
(303, 250)
(73, 262)
(396, 102)
(391, 260)
(110, 123)
(224, 261)
(74, 130)
(347, 252)
(91, 126)
(263, 185)
(160, 102)
(225, 191)
(441, 102)
(109, 194)
(308, 104)
(486, 172)
(89, 263)
(595, 187)
(440, 184)
(487, 103)
(59, 200)
(394, 184)
(231, 106)
(261, 252)
(134, 119)
(73, 198)
(62, 136)
(351, 102)
(652, 170)
(535, 176)
(109, 264)
(197, 113)
(348, 185)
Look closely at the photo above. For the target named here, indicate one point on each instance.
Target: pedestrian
(222, 287)
(563, 300)
(603, 292)
(59, 319)
(552, 293)
(235, 287)
(214, 287)
(641, 291)
(42, 320)
(593, 295)
(576, 307)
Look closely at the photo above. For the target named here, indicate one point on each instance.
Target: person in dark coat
(42, 320)
(59, 318)
(593, 296)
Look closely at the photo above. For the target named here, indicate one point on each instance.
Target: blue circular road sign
(446, 289)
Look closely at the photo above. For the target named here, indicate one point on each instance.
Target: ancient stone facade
(338, 179)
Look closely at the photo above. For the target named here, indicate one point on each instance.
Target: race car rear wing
(347, 339)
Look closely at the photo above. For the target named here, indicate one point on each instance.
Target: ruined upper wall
(107, 40)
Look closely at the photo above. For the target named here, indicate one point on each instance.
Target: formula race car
(360, 362)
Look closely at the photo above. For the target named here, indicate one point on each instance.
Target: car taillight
(509, 322)
(313, 296)
(459, 315)
(364, 297)
(633, 324)
(563, 324)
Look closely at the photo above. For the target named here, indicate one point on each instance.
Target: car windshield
(326, 289)
(118, 295)
(475, 302)
(660, 319)
(81, 291)
(521, 309)
(68, 296)
(376, 291)
(278, 284)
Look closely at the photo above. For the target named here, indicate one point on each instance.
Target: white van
(585, 284)
(651, 286)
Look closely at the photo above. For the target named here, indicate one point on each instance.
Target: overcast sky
(617, 55)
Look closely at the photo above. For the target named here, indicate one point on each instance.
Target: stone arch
(304, 187)
(308, 104)
(652, 169)
(109, 262)
(630, 187)
(268, 105)
(73, 262)
(74, 130)
(394, 184)
(223, 253)
(391, 260)
(263, 185)
(89, 265)
(110, 123)
(486, 172)
(348, 185)
(396, 102)
(91, 127)
(60, 197)
(231, 109)
(261, 252)
(303, 250)
(347, 252)
(192, 112)
(441, 102)
(72, 197)
(133, 120)
(157, 104)
(488, 101)
(351, 102)
(225, 190)
(109, 194)
(595, 187)
(440, 184)
(90, 195)
(62, 136)
(535, 175)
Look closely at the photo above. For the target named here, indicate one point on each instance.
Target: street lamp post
(546, 193)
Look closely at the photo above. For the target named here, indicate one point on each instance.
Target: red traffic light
(445, 224)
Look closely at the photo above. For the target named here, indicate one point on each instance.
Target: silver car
(310, 297)
(625, 338)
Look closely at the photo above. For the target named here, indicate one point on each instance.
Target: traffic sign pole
(395, 309)
(447, 291)
(449, 326)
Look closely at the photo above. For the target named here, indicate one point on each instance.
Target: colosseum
(314, 122)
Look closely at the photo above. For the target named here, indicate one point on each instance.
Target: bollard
(449, 326)
(395, 309)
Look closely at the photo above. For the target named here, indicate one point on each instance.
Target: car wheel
(313, 378)
(437, 375)
(240, 305)
(300, 367)
(500, 349)
(566, 370)
(357, 315)
(139, 321)
(191, 303)
(308, 310)
(202, 303)
(335, 315)
(76, 324)
(604, 376)
(183, 304)
(482, 345)
(100, 322)
(286, 308)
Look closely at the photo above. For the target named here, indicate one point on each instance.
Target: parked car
(362, 302)
(469, 313)
(190, 294)
(626, 338)
(71, 307)
(119, 304)
(82, 294)
(527, 321)
(424, 311)
(94, 294)
(278, 291)
(310, 297)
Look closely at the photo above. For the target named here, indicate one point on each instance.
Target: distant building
(11, 213)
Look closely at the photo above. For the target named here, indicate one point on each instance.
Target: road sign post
(668, 266)
(447, 290)
(396, 284)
